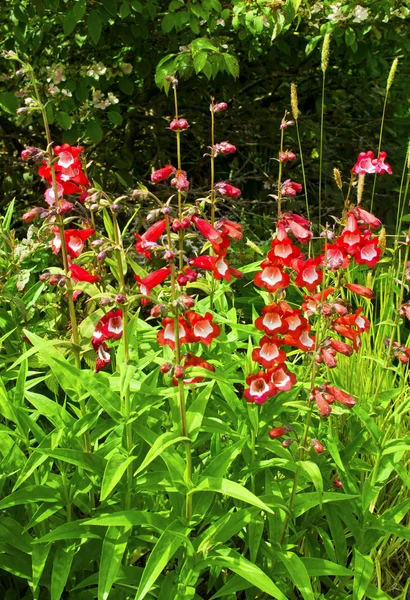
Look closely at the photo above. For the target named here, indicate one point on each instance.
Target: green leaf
(40, 553)
(298, 573)
(94, 26)
(226, 528)
(232, 64)
(363, 572)
(115, 117)
(161, 443)
(9, 102)
(127, 518)
(199, 61)
(30, 494)
(73, 16)
(196, 411)
(94, 131)
(61, 570)
(160, 556)
(114, 470)
(84, 460)
(64, 120)
(113, 548)
(350, 36)
(229, 488)
(110, 6)
(229, 559)
(315, 475)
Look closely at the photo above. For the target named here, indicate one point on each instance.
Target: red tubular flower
(341, 347)
(291, 188)
(328, 357)
(203, 329)
(364, 163)
(148, 239)
(367, 217)
(269, 353)
(74, 239)
(301, 340)
(209, 232)
(219, 106)
(282, 379)
(277, 432)
(323, 406)
(272, 321)
(287, 156)
(103, 357)
(341, 396)
(224, 148)
(109, 327)
(360, 290)
(260, 388)
(223, 270)
(195, 361)
(180, 181)
(178, 124)
(166, 336)
(226, 189)
(368, 254)
(318, 447)
(271, 277)
(147, 283)
(335, 257)
(381, 166)
(161, 174)
(298, 226)
(229, 228)
(355, 320)
(309, 276)
(80, 274)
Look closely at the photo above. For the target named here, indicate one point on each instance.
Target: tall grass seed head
(360, 188)
(294, 101)
(338, 178)
(392, 73)
(325, 52)
(382, 240)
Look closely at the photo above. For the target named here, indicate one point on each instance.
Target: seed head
(338, 178)
(360, 188)
(294, 101)
(325, 52)
(392, 74)
(382, 240)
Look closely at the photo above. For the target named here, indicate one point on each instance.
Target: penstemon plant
(204, 456)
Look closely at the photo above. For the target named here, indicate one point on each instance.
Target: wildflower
(272, 320)
(178, 124)
(148, 240)
(203, 329)
(269, 354)
(260, 388)
(77, 273)
(341, 347)
(300, 339)
(287, 443)
(209, 232)
(180, 181)
(366, 163)
(298, 226)
(147, 283)
(103, 357)
(309, 276)
(219, 107)
(290, 188)
(161, 174)
(286, 124)
(287, 156)
(281, 378)
(195, 361)
(166, 336)
(226, 189)
(31, 153)
(229, 228)
(272, 278)
(224, 148)
(277, 432)
(366, 217)
(405, 310)
(360, 290)
(318, 447)
(74, 239)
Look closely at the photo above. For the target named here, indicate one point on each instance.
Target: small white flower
(112, 99)
(336, 14)
(126, 68)
(360, 14)
(66, 93)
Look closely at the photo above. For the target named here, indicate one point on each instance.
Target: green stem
(181, 396)
(127, 390)
(179, 162)
(280, 171)
(303, 170)
(322, 112)
(380, 145)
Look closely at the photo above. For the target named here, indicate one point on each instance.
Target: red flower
(161, 174)
(269, 353)
(80, 274)
(229, 228)
(341, 396)
(355, 320)
(67, 155)
(195, 361)
(180, 181)
(109, 327)
(309, 276)
(271, 277)
(290, 188)
(287, 155)
(361, 290)
(301, 340)
(282, 379)
(148, 239)
(318, 447)
(277, 432)
(323, 406)
(74, 239)
(103, 357)
(166, 336)
(178, 124)
(224, 148)
(226, 189)
(298, 226)
(368, 254)
(335, 257)
(341, 347)
(147, 283)
(203, 329)
(260, 388)
(366, 163)
(272, 320)
(219, 106)
(367, 217)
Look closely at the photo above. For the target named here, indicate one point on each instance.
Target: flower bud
(187, 301)
(61, 283)
(29, 216)
(102, 255)
(120, 299)
(317, 446)
(94, 207)
(287, 443)
(176, 226)
(182, 280)
(169, 255)
(44, 276)
(54, 280)
(31, 152)
(159, 310)
(179, 372)
(115, 208)
(97, 243)
(65, 207)
(185, 223)
(105, 301)
(277, 432)
(165, 210)
(338, 483)
(219, 107)
(166, 367)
